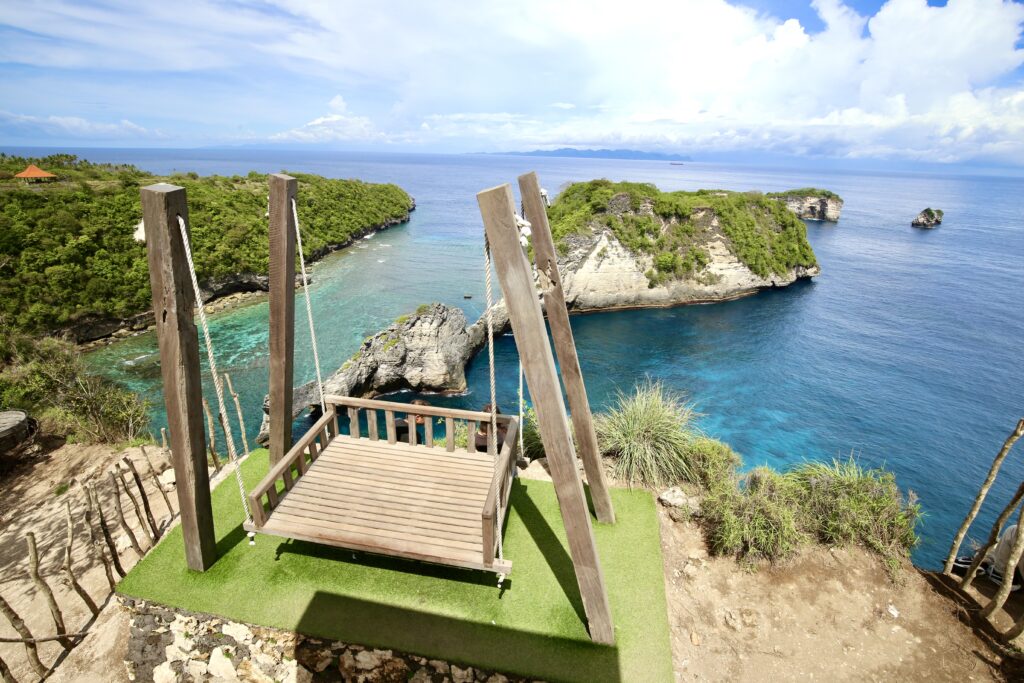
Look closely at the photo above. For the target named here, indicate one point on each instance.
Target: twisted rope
(492, 433)
(232, 454)
(309, 309)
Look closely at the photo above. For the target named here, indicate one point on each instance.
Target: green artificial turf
(535, 627)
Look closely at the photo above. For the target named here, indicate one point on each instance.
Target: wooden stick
(47, 592)
(1016, 550)
(982, 492)
(993, 537)
(135, 506)
(96, 552)
(156, 481)
(5, 672)
(212, 436)
(145, 499)
(105, 531)
(163, 439)
(120, 516)
(72, 581)
(238, 409)
(18, 624)
(47, 639)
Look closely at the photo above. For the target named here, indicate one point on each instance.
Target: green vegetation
(533, 447)
(61, 488)
(533, 628)
(764, 514)
(674, 227)
(933, 213)
(423, 309)
(647, 434)
(48, 379)
(66, 248)
(804, 192)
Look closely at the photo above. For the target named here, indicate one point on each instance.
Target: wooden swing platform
(421, 501)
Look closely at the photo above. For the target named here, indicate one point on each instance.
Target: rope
(309, 309)
(232, 454)
(492, 433)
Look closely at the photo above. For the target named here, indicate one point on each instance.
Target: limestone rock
(240, 632)
(677, 499)
(220, 665)
(929, 218)
(811, 207)
(424, 351)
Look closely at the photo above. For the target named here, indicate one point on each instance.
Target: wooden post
(565, 347)
(18, 624)
(94, 502)
(95, 545)
(47, 592)
(69, 568)
(173, 306)
(514, 274)
(283, 190)
(120, 516)
(238, 409)
(156, 482)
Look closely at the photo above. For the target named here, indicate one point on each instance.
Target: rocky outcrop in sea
(424, 351)
(812, 207)
(600, 273)
(929, 218)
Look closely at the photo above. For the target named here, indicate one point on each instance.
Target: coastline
(241, 290)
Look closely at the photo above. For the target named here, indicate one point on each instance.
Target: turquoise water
(906, 351)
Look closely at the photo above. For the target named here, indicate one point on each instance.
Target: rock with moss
(929, 218)
(625, 245)
(426, 350)
(811, 203)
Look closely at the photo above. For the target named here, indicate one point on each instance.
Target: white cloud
(912, 80)
(74, 127)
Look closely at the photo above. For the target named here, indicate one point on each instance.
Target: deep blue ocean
(906, 352)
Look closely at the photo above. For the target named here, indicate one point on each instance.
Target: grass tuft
(647, 435)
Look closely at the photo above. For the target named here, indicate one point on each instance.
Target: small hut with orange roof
(34, 174)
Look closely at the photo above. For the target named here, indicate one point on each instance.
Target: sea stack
(929, 218)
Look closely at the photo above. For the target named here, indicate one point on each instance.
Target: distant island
(601, 154)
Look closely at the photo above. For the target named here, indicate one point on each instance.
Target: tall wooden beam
(565, 346)
(173, 306)
(498, 211)
(283, 189)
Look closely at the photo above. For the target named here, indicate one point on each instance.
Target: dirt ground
(30, 500)
(829, 614)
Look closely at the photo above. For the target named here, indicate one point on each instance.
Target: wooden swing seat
(420, 501)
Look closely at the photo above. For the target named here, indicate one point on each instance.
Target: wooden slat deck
(414, 502)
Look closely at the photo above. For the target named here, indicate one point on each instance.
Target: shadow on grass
(485, 645)
(363, 559)
(550, 546)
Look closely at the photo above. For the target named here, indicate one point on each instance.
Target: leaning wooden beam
(156, 481)
(238, 409)
(145, 499)
(1016, 550)
(120, 516)
(514, 274)
(993, 537)
(96, 551)
(982, 492)
(18, 624)
(173, 306)
(565, 347)
(69, 569)
(46, 591)
(283, 190)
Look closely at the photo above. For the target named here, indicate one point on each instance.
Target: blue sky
(904, 79)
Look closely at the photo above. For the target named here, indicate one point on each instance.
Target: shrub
(758, 520)
(712, 464)
(647, 435)
(47, 377)
(533, 447)
(844, 503)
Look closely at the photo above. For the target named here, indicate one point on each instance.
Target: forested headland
(67, 252)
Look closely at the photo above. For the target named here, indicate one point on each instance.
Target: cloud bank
(910, 81)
